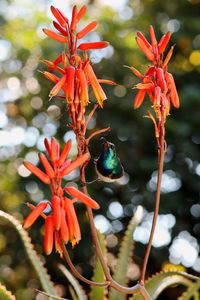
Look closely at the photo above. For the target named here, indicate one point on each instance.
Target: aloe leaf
(51, 296)
(125, 255)
(99, 293)
(161, 281)
(38, 265)
(5, 294)
(72, 293)
(191, 292)
(74, 282)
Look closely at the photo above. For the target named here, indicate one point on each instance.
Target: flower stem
(76, 273)
(138, 288)
(161, 156)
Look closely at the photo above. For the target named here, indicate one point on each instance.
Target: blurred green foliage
(24, 106)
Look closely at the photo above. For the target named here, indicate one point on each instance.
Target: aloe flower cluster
(157, 82)
(72, 71)
(61, 224)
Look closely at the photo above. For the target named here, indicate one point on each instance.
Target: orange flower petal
(83, 86)
(54, 35)
(63, 16)
(94, 45)
(55, 90)
(65, 152)
(164, 42)
(86, 30)
(135, 72)
(150, 71)
(168, 57)
(161, 78)
(74, 18)
(152, 36)
(81, 13)
(48, 235)
(173, 91)
(55, 150)
(64, 231)
(72, 221)
(52, 66)
(65, 165)
(69, 92)
(157, 96)
(96, 87)
(60, 28)
(139, 98)
(58, 16)
(145, 49)
(35, 213)
(47, 146)
(107, 81)
(57, 242)
(37, 172)
(75, 164)
(141, 36)
(144, 86)
(56, 210)
(72, 191)
(51, 76)
(58, 60)
(48, 168)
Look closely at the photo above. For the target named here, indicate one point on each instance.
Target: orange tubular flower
(97, 89)
(156, 82)
(61, 224)
(77, 74)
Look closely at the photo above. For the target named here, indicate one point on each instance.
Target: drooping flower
(157, 83)
(61, 224)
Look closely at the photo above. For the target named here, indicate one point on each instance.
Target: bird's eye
(112, 146)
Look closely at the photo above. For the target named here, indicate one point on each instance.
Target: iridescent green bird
(108, 165)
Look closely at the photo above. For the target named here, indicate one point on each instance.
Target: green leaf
(125, 255)
(50, 296)
(99, 293)
(38, 265)
(192, 291)
(72, 293)
(5, 294)
(74, 282)
(161, 281)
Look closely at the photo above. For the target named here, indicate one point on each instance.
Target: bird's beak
(105, 143)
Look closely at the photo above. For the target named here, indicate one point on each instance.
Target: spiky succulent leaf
(99, 293)
(51, 296)
(161, 281)
(125, 255)
(38, 265)
(5, 294)
(81, 295)
(191, 292)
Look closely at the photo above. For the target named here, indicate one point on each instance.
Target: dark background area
(26, 116)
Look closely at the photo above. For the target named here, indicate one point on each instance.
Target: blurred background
(27, 116)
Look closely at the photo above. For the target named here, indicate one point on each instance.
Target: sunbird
(108, 166)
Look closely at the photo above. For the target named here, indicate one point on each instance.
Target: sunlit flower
(76, 72)
(61, 224)
(157, 83)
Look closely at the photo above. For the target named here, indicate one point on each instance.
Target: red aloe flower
(156, 82)
(76, 74)
(61, 223)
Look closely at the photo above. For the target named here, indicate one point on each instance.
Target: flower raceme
(62, 223)
(157, 83)
(77, 73)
